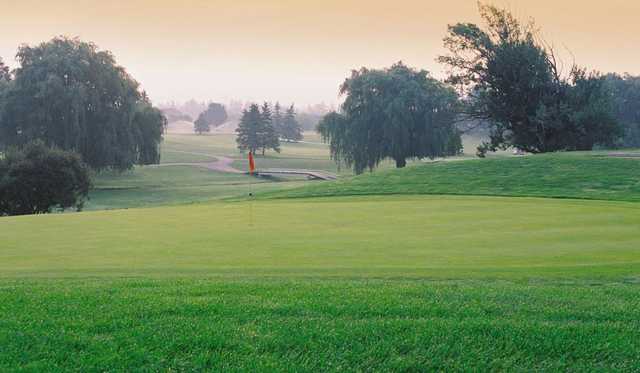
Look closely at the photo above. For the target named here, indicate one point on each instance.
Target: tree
(200, 126)
(291, 129)
(512, 81)
(69, 94)
(249, 128)
(37, 179)
(268, 137)
(215, 115)
(278, 120)
(395, 113)
(5, 74)
(625, 91)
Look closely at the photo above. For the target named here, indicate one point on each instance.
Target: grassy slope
(557, 175)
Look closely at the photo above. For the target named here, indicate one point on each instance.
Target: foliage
(215, 115)
(200, 126)
(511, 80)
(37, 179)
(256, 131)
(69, 94)
(5, 74)
(268, 136)
(291, 129)
(396, 113)
(626, 96)
(249, 129)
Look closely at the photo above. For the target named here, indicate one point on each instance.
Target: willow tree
(512, 81)
(68, 94)
(398, 113)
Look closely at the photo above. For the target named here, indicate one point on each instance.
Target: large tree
(291, 129)
(249, 128)
(511, 80)
(625, 90)
(268, 136)
(215, 115)
(396, 113)
(69, 94)
(37, 179)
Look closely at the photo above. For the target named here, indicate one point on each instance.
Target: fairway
(440, 237)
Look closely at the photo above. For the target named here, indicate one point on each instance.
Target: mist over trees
(512, 81)
(68, 94)
(215, 115)
(174, 115)
(396, 113)
(291, 129)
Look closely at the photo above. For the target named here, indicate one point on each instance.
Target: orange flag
(252, 164)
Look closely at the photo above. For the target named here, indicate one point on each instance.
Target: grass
(310, 326)
(173, 185)
(433, 237)
(390, 283)
(582, 176)
(377, 276)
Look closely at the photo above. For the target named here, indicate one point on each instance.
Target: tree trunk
(401, 163)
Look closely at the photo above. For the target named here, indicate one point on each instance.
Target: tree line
(261, 128)
(504, 78)
(71, 98)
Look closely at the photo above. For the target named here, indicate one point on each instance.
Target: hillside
(582, 176)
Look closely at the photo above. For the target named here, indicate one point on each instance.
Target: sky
(300, 51)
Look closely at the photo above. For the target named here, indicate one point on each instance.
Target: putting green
(400, 236)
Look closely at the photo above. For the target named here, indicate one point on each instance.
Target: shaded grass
(310, 326)
(581, 176)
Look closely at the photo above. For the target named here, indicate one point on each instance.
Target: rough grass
(581, 176)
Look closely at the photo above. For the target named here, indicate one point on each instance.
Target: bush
(37, 179)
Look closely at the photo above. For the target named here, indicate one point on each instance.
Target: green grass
(362, 280)
(582, 176)
(311, 326)
(404, 283)
(435, 237)
(173, 185)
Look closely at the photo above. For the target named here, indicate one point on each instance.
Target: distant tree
(395, 113)
(200, 126)
(278, 120)
(37, 179)
(249, 129)
(268, 137)
(291, 129)
(70, 95)
(215, 115)
(511, 81)
(174, 115)
(625, 91)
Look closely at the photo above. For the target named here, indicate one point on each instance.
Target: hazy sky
(298, 50)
